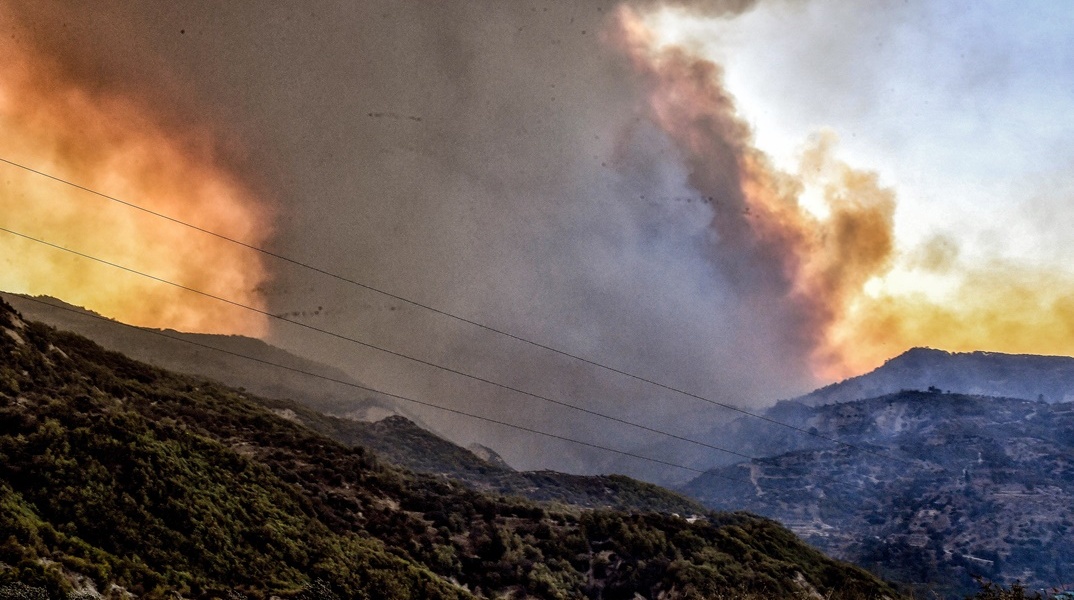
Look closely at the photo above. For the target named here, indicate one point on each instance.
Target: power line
(712, 472)
(381, 392)
(467, 321)
(391, 395)
(376, 347)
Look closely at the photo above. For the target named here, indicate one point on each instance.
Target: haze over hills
(664, 238)
(1030, 377)
(985, 491)
(460, 189)
(401, 442)
(988, 488)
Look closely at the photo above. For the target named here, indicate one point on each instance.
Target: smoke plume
(116, 143)
(548, 169)
(806, 268)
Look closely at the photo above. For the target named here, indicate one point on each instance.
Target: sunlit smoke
(117, 145)
(831, 270)
(808, 265)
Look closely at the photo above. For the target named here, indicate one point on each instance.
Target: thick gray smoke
(493, 159)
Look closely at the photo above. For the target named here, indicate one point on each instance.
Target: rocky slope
(956, 486)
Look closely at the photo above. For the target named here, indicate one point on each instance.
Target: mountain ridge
(215, 356)
(396, 438)
(1029, 376)
(118, 479)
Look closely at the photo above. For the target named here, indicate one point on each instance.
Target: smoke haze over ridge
(544, 168)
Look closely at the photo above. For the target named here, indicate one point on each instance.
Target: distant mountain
(1047, 378)
(170, 350)
(488, 455)
(937, 488)
(1031, 377)
(123, 480)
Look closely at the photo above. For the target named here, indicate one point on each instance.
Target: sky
(962, 110)
(744, 200)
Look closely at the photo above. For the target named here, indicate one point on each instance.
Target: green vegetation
(993, 591)
(114, 473)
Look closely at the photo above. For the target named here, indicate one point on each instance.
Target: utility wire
(711, 472)
(379, 348)
(376, 391)
(462, 320)
(381, 392)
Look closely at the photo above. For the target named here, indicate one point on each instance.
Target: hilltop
(1028, 376)
(1047, 379)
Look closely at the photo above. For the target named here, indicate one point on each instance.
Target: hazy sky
(742, 199)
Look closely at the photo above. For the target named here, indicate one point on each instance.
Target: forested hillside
(298, 389)
(117, 477)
